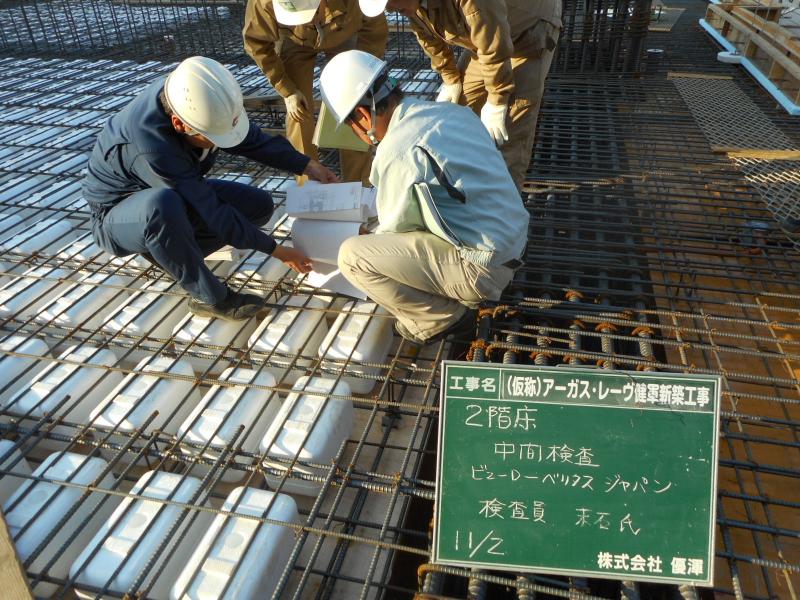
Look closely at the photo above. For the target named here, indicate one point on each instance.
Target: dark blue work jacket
(139, 149)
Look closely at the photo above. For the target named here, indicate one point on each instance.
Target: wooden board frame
(768, 46)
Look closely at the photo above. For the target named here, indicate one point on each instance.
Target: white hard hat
(295, 12)
(346, 79)
(372, 8)
(207, 98)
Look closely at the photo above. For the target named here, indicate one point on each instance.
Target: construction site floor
(655, 244)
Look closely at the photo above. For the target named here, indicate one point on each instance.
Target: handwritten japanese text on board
(577, 471)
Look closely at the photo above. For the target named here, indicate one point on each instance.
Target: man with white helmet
(451, 228)
(501, 76)
(284, 37)
(146, 185)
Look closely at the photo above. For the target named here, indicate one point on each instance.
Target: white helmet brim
(235, 136)
(372, 8)
(295, 17)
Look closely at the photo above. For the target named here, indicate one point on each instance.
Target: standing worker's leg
(530, 73)
(156, 221)
(355, 166)
(473, 86)
(299, 64)
(419, 278)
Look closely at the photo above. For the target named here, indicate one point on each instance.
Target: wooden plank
(687, 75)
(773, 31)
(791, 65)
(771, 11)
(776, 72)
(12, 575)
(757, 153)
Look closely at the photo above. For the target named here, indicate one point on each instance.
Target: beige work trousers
(419, 278)
(530, 72)
(299, 63)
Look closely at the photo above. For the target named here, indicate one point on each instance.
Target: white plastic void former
(10, 224)
(361, 334)
(158, 383)
(311, 426)
(288, 333)
(22, 297)
(238, 558)
(12, 461)
(84, 304)
(67, 390)
(34, 512)
(146, 319)
(209, 344)
(120, 551)
(17, 371)
(85, 253)
(263, 271)
(36, 192)
(45, 236)
(215, 422)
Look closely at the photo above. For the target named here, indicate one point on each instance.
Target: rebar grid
(605, 36)
(354, 486)
(122, 29)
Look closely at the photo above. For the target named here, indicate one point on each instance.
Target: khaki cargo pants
(530, 72)
(299, 62)
(419, 278)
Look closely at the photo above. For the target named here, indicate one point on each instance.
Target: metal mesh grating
(727, 116)
(731, 120)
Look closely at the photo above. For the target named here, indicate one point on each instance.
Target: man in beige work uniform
(510, 45)
(284, 38)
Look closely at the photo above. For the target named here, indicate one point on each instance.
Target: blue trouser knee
(159, 222)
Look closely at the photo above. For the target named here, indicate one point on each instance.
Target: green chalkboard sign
(577, 471)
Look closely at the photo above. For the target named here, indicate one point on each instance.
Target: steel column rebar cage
(598, 35)
(647, 250)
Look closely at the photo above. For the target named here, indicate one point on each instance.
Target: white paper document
(332, 202)
(369, 202)
(320, 240)
(328, 277)
(226, 253)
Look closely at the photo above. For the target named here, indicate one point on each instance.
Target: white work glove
(297, 106)
(449, 92)
(493, 117)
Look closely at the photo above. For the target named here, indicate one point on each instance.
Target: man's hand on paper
(316, 171)
(292, 258)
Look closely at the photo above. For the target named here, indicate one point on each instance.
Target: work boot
(463, 327)
(237, 306)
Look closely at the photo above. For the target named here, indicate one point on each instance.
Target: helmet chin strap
(382, 92)
(373, 117)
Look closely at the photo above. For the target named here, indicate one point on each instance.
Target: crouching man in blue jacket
(147, 190)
